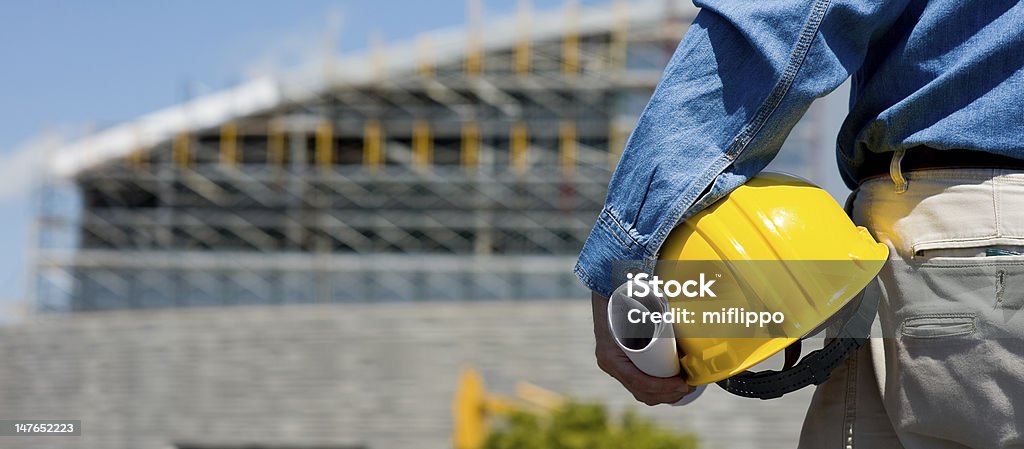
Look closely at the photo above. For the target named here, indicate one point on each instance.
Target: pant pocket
(939, 325)
(955, 357)
(971, 252)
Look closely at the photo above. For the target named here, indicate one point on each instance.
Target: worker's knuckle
(639, 397)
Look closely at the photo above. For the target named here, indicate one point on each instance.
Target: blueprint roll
(650, 346)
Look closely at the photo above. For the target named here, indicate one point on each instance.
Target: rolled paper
(650, 346)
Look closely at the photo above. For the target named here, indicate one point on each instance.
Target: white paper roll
(650, 346)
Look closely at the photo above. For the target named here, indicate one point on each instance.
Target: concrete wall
(380, 376)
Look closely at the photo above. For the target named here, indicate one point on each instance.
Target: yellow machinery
(473, 405)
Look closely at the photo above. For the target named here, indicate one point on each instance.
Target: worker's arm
(737, 84)
(740, 79)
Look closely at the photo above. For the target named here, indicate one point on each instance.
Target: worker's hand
(647, 389)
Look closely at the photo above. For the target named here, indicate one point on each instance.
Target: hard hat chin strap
(815, 367)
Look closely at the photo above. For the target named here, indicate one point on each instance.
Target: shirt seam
(620, 233)
(767, 109)
(796, 61)
(587, 280)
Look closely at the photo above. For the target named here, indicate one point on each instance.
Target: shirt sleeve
(743, 75)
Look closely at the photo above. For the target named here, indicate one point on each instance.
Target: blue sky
(93, 64)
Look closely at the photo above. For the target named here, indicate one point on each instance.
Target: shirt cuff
(609, 249)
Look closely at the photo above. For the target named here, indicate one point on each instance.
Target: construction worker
(932, 148)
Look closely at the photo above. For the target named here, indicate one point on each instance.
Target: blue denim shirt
(946, 73)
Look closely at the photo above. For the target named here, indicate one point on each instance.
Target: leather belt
(928, 158)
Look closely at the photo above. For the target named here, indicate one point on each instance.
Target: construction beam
(571, 41)
(425, 68)
(275, 144)
(518, 151)
(324, 149)
(521, 58)
(372, 144)
(181, 149)
(229, 144)
(567, 147)
(422, 145)
(470, 145)
(138, 158)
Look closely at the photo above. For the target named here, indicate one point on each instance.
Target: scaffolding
(468, 177)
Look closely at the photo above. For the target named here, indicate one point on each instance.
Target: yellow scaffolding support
(372, 148)
(422, 144)
(275, 144)
(567, 147)
(518, 153)
(229, 144)
(181, 151)
(425, 68)
(324, 148)
(470, 145)
(522, 52)
(138, 157)
(620, 35)
(571, 42)
(474, 48)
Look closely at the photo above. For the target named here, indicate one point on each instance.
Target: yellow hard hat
(778, 244)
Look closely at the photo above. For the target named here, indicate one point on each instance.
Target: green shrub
(579, 425)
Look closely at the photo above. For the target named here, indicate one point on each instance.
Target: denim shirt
(946, 73)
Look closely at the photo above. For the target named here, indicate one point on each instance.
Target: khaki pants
(947, 370)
